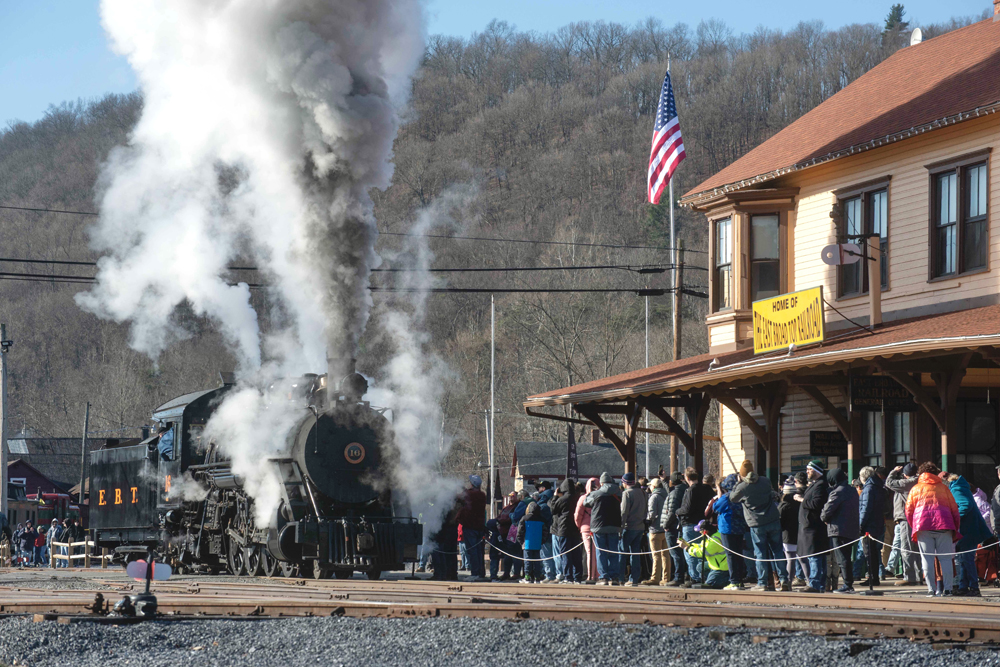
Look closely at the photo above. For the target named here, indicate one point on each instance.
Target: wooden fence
(86, 555)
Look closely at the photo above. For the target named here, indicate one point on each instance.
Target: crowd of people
(818, 532)
(32, 546)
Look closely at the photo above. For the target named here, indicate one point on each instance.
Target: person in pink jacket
(582, 519)
(933, 516)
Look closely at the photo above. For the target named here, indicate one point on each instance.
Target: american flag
(668, 147)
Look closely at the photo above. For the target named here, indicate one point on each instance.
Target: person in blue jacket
(530, 534)
(973, 531)
(732, 528)
(872, 520)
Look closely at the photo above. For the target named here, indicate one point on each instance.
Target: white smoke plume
(414, 379)
(265, 125)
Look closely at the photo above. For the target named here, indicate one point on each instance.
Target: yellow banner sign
(790, 318)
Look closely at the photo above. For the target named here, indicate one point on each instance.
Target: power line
(640, 269)
(428, 236)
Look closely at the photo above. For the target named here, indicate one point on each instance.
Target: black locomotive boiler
(177, 494)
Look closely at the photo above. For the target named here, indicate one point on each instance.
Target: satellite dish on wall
(916, 37)
(840, 254)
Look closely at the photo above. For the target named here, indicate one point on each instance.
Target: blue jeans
(693, 564)
(532, 568)
(676, 556)
(557, 560)
(767, 545)
(510, 562)
(572, 562)
(607, 563)
(737, 564)
(549, 564)
(472, 539)
(861, 557)
(716, 579)
(496, 558)
(631, 541)
(817, 572)
(968, 575)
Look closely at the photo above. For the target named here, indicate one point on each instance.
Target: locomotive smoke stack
(338, 369)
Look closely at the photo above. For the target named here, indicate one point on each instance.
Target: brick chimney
(595, 434)
(996, 10)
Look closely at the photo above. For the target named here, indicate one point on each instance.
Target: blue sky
(55, 50)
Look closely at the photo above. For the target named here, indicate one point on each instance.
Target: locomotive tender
(177, 494)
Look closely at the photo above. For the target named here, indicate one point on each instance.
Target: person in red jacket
(472, 517)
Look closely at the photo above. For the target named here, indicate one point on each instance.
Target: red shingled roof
(921, 85)
(965, 329)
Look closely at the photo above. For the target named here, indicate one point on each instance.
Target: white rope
(645, 553)
(457, 553)
(538, 560)
(785, 559)
(920, 553)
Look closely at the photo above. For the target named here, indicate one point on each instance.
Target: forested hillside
(537, 138)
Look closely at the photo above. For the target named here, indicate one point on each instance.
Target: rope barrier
(645, 553)
(920, 553)
(457, 553)
(538, 560)
(784, 559)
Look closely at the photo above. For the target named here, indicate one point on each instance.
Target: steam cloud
(265, 125)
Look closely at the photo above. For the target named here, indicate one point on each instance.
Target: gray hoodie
(900, 487)
(633, 508)
(757, 496)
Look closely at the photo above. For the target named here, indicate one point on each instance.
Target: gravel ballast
(347, 641)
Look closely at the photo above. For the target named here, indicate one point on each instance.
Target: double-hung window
(864, 214)
(723, 288)
(959, 225)
(765, 256)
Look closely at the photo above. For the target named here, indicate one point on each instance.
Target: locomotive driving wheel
(269, 562)
(287, 569)
(253, 560)
(236, 558)
(320, 573)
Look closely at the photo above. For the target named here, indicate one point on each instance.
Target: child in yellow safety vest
(714, 555)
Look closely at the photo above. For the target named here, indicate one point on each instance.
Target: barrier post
(704, 548)
(86, 552)
(104, 558)
(872, 573)
(52, 555)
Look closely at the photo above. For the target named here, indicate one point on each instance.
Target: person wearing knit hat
(472, 517)
(812, 538)
(756, 494)
(732, 531)
(788, 513)
(633, 509)
(672, 528)
(900, 481)
(605, 526)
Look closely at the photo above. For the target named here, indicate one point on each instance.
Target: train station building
(854, 286)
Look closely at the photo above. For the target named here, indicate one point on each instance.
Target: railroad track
(888, 616)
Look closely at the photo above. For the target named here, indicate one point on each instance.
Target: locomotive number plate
(354, 453)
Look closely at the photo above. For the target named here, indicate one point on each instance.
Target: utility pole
(83, 454)
(678, 287)
(646, 415)
(493, 358)
(4, 346)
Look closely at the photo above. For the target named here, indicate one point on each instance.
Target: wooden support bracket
(817, 395)
(919, 395)
(671, 423)
(759, 432)
(590, 413)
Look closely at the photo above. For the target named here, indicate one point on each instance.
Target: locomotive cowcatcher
(176, 493)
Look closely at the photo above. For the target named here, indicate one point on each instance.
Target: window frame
(959, 166)
(751, 260)
(716, 287)
(865, 193)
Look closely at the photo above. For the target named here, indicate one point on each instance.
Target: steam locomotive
(177, 494)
